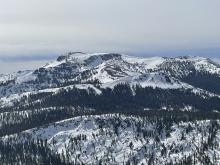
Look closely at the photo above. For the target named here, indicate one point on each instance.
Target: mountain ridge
(109, 108)
(107, 70)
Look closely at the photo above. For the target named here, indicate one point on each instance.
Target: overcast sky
(37, 30)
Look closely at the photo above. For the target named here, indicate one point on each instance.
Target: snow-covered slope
(115, 139)
(202, 63)
(153, 79)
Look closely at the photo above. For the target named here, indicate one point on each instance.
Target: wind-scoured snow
(147, 80)
(25, 77)
(149, 62)
(53, 64)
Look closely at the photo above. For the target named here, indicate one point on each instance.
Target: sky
(35, 31)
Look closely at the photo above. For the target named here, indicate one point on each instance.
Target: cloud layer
(30, 26)
(44, 28)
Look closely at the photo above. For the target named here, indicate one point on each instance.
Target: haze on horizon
(35, 31)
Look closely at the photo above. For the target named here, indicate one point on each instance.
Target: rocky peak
(67, 55)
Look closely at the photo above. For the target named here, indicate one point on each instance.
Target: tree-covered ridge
(32, 152)
(125, 98)
(73, 102)
(204, 80)
(125, 139)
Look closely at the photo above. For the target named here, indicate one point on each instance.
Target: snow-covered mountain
(107, 69)
(109, 108)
